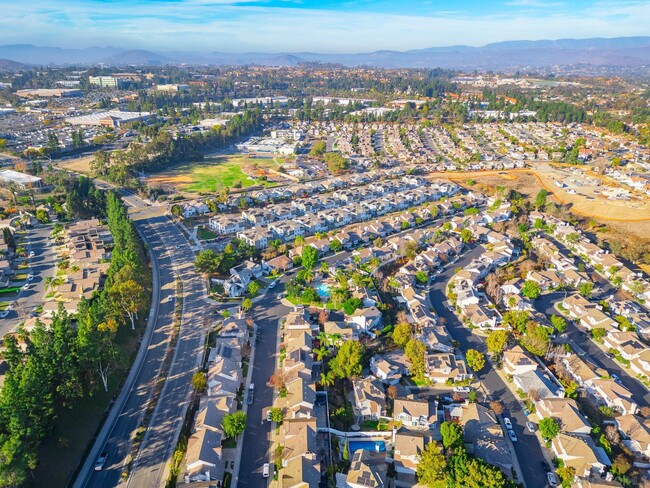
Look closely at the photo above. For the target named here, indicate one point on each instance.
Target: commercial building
(49, 93)
(110, 118)
(172, 88)
(22, 180)
(105, 81)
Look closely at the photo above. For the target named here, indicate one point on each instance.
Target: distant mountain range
(620, 51)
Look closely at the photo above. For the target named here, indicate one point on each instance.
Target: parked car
(30, 277)
(513, 436)
(617, 379)
(170, 298)
(272, 284)
(101, 461)
(4, 313)
(545, 466)
(461, 389)
(530, 426)
(251, 394)
(26, 287)
(31, 254)
(552, 479)
(268, 415)
(266, 470)
(508, 423)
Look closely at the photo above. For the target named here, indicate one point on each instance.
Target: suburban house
(367, 470)
(408, 446)
(538, 381)
(483, 436)
(636, 433)
(567, 412)
(517, 361)
(369, 399)
(389, 368)
(441, 367)
(365, 319)
(607, 392)
(580, 453)
(414, 413)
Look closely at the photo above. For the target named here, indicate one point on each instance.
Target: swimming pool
(376, 446)
(323, 290)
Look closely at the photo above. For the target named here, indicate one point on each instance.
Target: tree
(309, 257)
(473, 396)
(246, 304)
(352, 304)
(276, 415)
(126, 294)
(497, 341)
(402, 334)
(199, 382)
(335, 245)
(422, 277)
(621, 465)
(531, 290)
(42, 216)
(540, 200)
(207, 262)
(466, 235)
(234, 424)
(335, 162)
(598, 333)
(318, 149)
(415, 351)
(253, 288)
(346, 451)
(347, 362)
(586, 288)
(452, 435)
(409, 250)
(567, 474)
(559, 323)
(432, 465)
(549, 428)
(516, 320)
(391, 392)
(497, 407)
(475, 359)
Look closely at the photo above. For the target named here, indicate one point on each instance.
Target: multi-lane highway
(172, 257)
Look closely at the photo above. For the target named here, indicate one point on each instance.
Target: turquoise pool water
(376, 446)
(323, 290)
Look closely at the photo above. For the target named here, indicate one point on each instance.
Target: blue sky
(312, 25)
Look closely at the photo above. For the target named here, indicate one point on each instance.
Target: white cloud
(218, 25)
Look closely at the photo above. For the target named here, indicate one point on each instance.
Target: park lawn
(205, 234)
(211, 173)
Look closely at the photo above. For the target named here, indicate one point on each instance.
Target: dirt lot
(80, 165)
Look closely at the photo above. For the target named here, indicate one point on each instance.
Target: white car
(272, 284)
(552, 480)
(30, 277)
(513, 436)
(170, 298)
(461, 389)
(31, 254)
(266, 470)
(530, 426)
(507, 422)
(4, 313)
(26, 287)
(101, 460)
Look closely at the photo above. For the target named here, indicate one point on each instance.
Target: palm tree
(326, 380)
(321, 352)
(324, 339)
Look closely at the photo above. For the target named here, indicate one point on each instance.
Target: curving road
(528, 449)
(171, 257)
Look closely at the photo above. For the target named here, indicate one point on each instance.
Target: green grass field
(213, 172)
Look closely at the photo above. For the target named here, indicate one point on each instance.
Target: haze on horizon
(331, 26)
